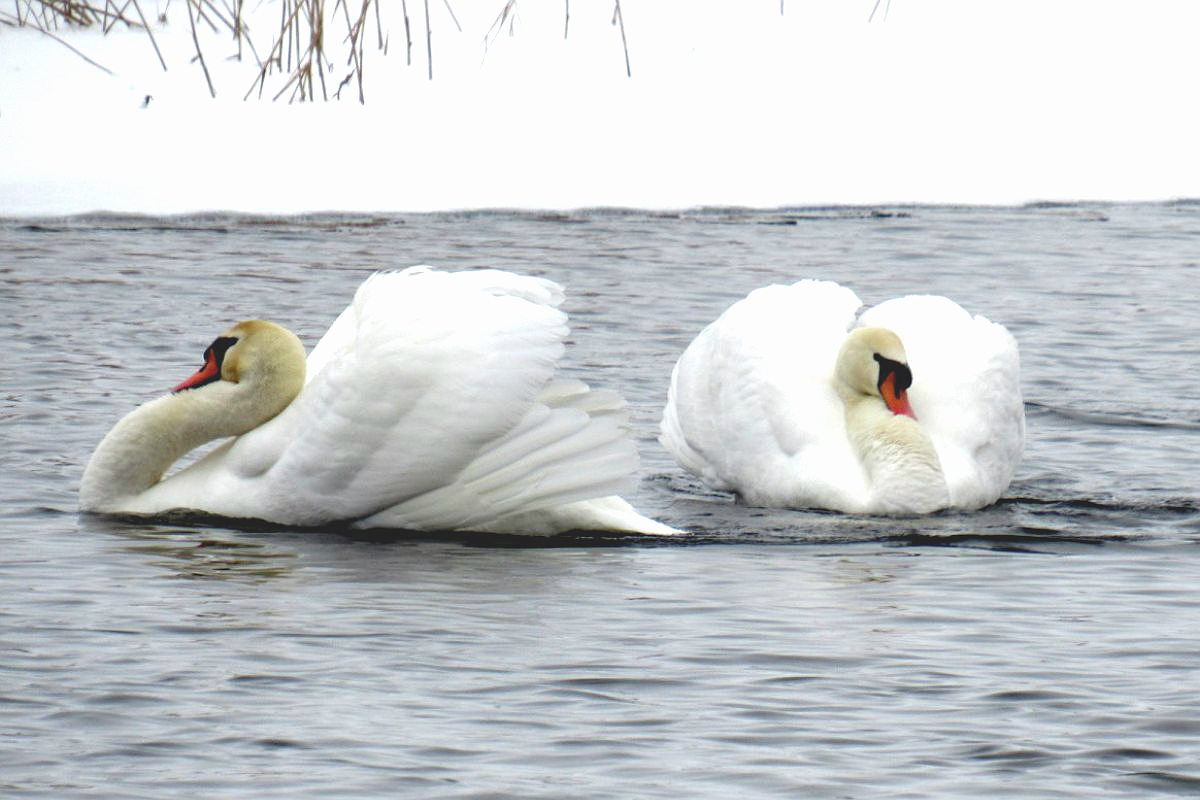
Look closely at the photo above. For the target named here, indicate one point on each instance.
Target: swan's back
(430, 404)
(751, 407)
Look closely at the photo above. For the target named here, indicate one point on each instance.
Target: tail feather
(572, 446)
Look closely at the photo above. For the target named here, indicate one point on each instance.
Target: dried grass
(299, 60)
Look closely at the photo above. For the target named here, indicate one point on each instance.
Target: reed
(300, 62)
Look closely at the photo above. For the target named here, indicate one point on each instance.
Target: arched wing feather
(413, 380)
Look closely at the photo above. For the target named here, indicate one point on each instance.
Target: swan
(432, 403)
(789, 399)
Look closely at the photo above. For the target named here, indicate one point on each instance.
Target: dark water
(1048, 646)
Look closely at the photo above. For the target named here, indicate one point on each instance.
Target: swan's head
(872, 363)
(266, 361)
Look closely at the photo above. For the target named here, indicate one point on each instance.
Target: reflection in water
(480, 564)
(200, 553)
(854, 570)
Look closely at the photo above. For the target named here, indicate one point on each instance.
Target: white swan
(430, 404)
(788, 400)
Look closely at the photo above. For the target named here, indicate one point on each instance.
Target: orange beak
(896, 401)
(206, 374)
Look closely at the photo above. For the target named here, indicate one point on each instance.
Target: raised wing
(420, 374)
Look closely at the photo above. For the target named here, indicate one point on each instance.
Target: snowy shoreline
(815, 108)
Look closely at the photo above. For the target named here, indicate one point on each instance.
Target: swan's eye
(219, 347)
(889, 367)
(214, 356)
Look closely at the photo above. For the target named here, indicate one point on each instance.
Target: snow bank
(729, 103)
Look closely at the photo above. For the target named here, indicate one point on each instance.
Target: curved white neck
(141, 447)
(901, 462)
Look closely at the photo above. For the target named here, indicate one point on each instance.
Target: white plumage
(430, 404)
(753, 406)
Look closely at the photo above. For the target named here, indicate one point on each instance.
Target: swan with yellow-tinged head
(872, 377)
(432, 403)
(251, 372)
(791, 399)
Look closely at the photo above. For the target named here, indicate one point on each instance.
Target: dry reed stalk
(292, 37)
(354, 30)
(619, 18)
(238, 29)
(407, 32)
(428, 41)
(137, 6)
(118, 15)
(199, 52)
(201, 16)
(75, 50)
(71, 13)
(301, 79)
(15, 20)
(382, 43)
(297, 53)
(316, 48)
(508, 14)
(43, 11)
(275, 56)
(108, 20)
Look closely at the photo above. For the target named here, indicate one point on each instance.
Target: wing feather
(966, 391)
(751, 406)
(571, 445)
(420, 373)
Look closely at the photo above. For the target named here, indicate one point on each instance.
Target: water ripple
(1043, 647)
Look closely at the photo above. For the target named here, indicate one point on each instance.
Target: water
(1048, 646)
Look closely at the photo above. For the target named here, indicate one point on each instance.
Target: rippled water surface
(1048, 646)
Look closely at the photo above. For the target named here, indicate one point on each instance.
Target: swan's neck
(141, 447)
(901, 462)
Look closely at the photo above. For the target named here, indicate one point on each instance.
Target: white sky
(947, 101)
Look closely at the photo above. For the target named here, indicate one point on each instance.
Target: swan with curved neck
(251, 372)
(872, 378)
(792, 398)
(432, 403)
